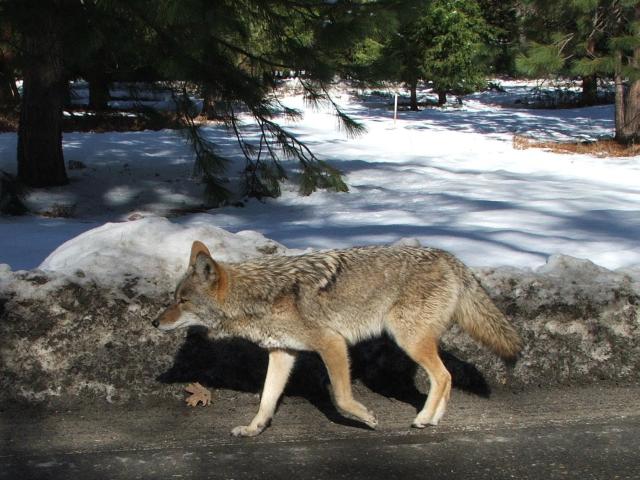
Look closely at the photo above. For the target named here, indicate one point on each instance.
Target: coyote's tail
(480, 318)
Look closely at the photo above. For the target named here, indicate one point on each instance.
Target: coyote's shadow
(379, 364)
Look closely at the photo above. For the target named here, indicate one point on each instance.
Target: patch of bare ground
(106, 121)
(119, 121)
(606, 147)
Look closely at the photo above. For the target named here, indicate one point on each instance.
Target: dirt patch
(599, 148)
(81, 120)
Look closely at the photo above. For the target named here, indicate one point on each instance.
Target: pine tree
(454, 32)
(503, 43)
(435, 40)
(228, 49)
(546, 28)
(590, 38)
(399, 56)
(233, 57)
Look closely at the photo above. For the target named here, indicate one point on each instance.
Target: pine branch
(208, 165)
(315, 172)
(242, 75)
(351, 127)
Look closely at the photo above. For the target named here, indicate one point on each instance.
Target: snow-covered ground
(447, 177)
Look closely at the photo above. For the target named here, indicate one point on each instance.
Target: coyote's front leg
(332, 348)
(280, 366)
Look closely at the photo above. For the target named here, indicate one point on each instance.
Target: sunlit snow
(449, 178)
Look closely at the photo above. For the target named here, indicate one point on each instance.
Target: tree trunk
(631, 129)
(99, 94)
(589, 90)
(9, 95)
(619, 101)
(628, 107)
(67, 95)
(14, 89)
(40, 159)
(632, 100)
(209, 104)
(6, 93)
(628, 99)
(413, 103)
(442, 97)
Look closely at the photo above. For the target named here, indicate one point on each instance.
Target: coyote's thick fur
(324, 301)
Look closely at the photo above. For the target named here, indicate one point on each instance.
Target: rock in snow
(79, 327)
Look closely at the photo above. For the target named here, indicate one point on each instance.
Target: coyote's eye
(182, 300)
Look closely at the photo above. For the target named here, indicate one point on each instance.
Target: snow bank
(579, 322)
(79, 328)
(153, 250)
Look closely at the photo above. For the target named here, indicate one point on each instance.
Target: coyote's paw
(365, 416)
(247, 431)
(370, 419)
(199, 394)
(423, 419)
(422, 423)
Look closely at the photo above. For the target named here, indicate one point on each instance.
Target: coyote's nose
(156, 323)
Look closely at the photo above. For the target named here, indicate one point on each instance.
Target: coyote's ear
(205, 267)
(202, 263)
(196, 249)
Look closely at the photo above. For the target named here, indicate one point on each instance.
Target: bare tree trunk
(14, 89)
(98, 78)
(67, 95)
(442, 97)
(99, 94)
(632, 113)
(40, 159)
(628, 100)
(619, 101)
(413, 102)
(631, 130)
(209, 100)
(590, 82)
(9, 95)
(589, 90)
(632, 100)
(6, 93)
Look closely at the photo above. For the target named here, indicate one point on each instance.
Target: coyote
(327, 300)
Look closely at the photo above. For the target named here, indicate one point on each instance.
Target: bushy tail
(480, 318)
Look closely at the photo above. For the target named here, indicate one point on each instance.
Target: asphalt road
(585, 433)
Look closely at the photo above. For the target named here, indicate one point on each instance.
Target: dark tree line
(230, 52)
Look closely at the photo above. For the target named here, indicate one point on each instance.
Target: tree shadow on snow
(379, 364)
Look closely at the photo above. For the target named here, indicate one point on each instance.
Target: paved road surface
(585, 433)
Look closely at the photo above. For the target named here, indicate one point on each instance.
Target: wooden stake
(395, 109)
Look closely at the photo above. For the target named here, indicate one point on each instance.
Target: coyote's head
(198, 294)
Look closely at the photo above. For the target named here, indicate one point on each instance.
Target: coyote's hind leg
(425, 353)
